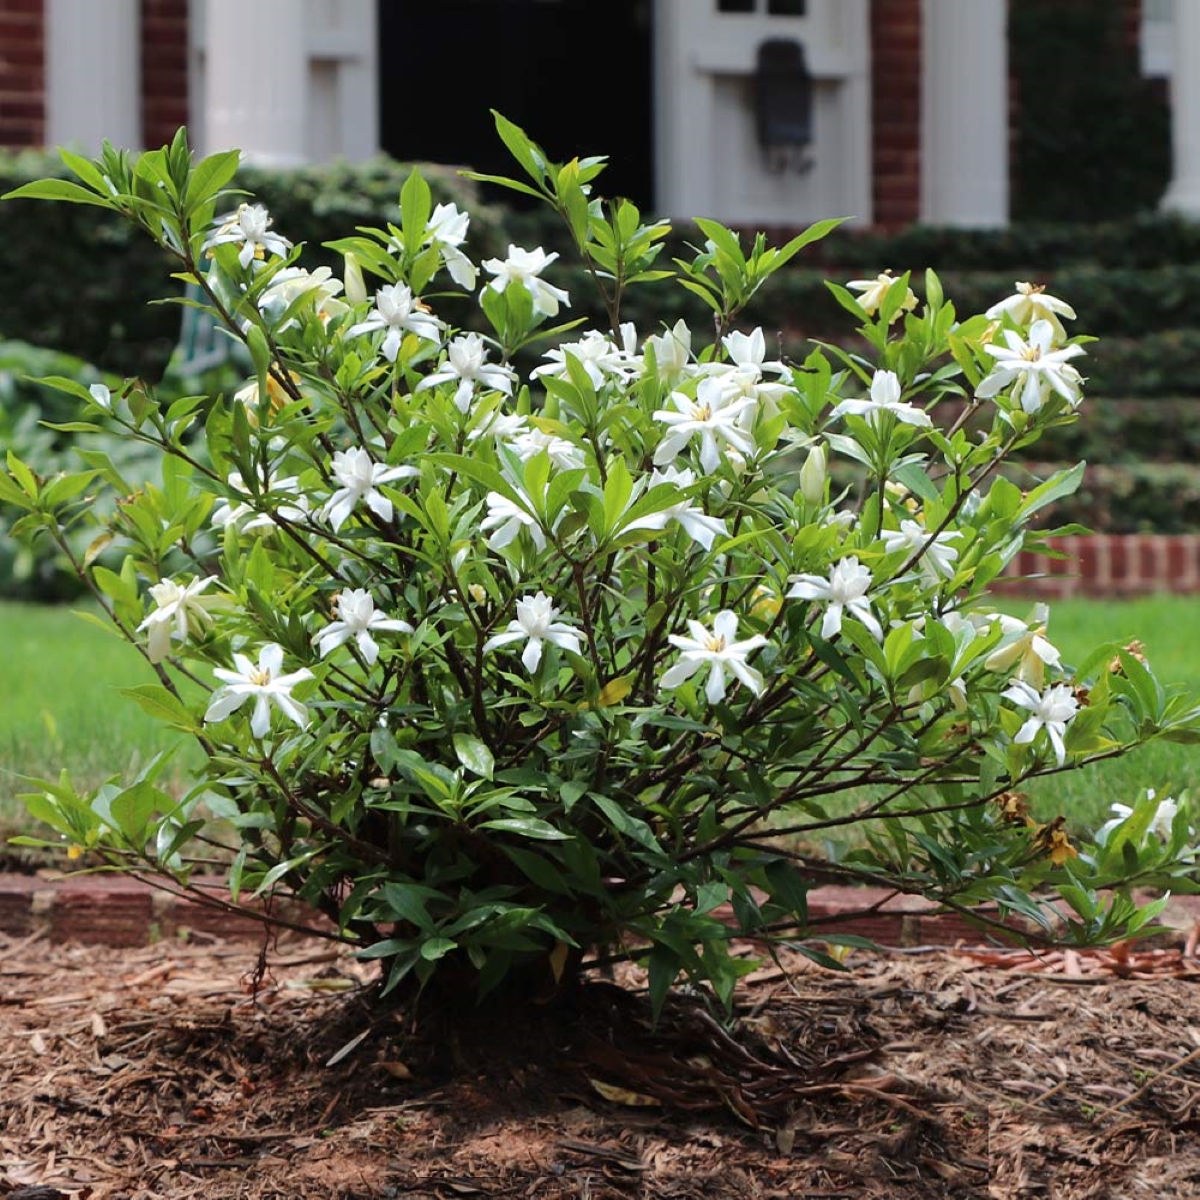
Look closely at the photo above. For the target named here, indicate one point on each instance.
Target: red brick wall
(22, 73)
(896, 110)
(164, 69)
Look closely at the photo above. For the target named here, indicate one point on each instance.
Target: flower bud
(356, 289)
(813, 475)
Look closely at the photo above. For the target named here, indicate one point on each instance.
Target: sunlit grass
(1166, 627)
(61, 705)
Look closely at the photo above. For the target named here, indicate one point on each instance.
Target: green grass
(1166, 626)
(61, 705)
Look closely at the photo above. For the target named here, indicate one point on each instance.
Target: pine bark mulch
(206, 1071)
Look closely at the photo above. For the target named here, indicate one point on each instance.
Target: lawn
(62, 705)
(1165, 627)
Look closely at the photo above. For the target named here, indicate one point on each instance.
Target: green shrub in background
(92, 292)
(38, 569)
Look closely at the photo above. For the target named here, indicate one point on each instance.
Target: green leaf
(209, 177)
(527, 153)
(416, 204)
(788, 888)
(162, 705)
(530, 827)
(474, 755)
(1064, 483)
(57, 189)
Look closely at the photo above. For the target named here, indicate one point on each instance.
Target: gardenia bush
(501, 669)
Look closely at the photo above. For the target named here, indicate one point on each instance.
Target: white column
(256, 80)
(1183, 194)
(964, 112)
(93, 73)
(683, 115)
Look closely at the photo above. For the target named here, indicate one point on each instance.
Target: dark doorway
(574, 74)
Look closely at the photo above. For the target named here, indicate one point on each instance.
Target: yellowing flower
(179, 611)
(1025, 647)
(1032, 303)
(873, 293)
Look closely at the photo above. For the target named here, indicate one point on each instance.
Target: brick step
(113, 910)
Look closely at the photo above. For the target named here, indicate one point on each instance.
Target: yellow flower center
(260, 677)
(714, 643)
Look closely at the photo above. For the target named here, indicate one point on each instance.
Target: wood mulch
(203, 1071)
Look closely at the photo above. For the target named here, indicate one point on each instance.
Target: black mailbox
(783, 100)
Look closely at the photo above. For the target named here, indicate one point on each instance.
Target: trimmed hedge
(1150, 497)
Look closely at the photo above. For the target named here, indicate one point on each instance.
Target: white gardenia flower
(717, 650)
(178, 610)
(359, 477)
(712, 417)
(884, 398)
(672, 351)
(1025, 647)
(399, 312)
(1050, 710)
(535, 625)
(599, 356)
(263, 682)
(1032, 303)
(1035, 367)
(693, 520)
(447, 230)
(508, 517)
(874, 290)
(845, 592)
(288, 285)
(937, 555)
(524, 268)
(101, 396)
(249, 226)
(743, 376)
(466, 362)
(500, 427)
(356, 618)
(565, 455)
(245, 518)
(1161, 824)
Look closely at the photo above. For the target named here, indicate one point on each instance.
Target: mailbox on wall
(783, 105)
(762, 109)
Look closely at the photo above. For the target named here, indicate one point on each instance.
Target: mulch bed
(217, 1071)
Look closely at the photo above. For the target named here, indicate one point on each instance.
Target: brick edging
(1108, 564)
(113, 910)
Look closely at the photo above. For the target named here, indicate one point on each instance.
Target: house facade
(766, 112)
